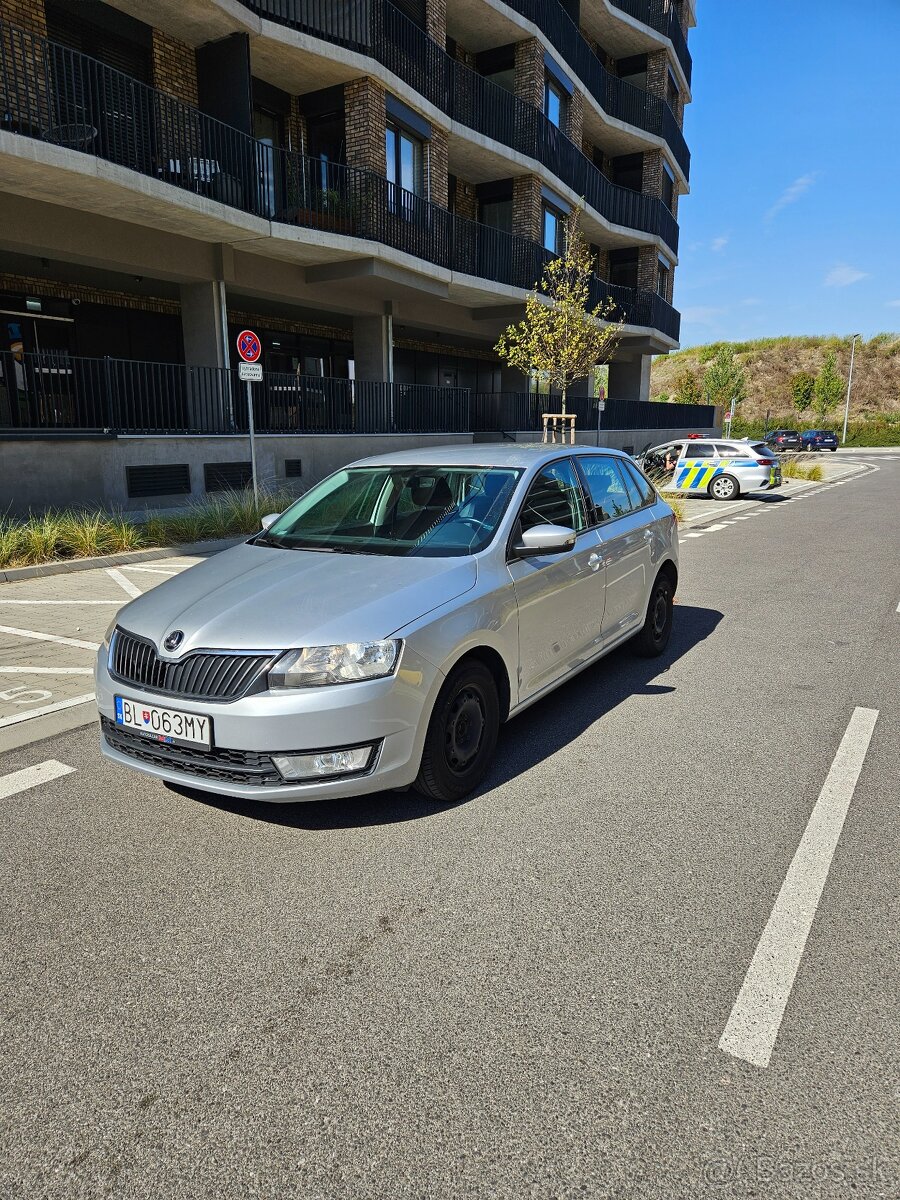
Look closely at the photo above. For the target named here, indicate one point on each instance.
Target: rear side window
(555, 499)
(762, 448)
(644, 486)
(735, 451)
(698, 450)
(605, 486)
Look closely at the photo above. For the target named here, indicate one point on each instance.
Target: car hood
(261, 598)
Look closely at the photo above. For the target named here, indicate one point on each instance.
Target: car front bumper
(390, 714)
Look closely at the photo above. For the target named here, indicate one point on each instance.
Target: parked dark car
(783, 439)
(819, 439)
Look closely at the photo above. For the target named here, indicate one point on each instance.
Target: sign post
(249, 347)
(601, 405)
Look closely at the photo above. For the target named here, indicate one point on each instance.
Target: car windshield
(416, 511)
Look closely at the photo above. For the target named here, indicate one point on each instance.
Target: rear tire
(834, 449)
(657, 629)
(462, 734)
(724, 487)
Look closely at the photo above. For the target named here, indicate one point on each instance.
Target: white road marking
(153, 570)
(124, 582)
(50, 637)
(44, 709)
(898, 608)
(714, 528)
(756, 1017)
(46, 670)
(79, 603)
(20, 781)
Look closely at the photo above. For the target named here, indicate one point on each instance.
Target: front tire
(657, 628)
(724, 487)
(462, 734)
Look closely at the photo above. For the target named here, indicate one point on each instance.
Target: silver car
(722, 468)
(377, 633)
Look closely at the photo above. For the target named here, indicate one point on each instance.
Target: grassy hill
(770, 363)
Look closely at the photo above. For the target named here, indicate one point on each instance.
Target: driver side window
(554, 498)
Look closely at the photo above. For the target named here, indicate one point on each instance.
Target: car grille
(204, 675)
(227, 766)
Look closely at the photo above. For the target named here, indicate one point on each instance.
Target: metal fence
(60, 393)
(65, 394)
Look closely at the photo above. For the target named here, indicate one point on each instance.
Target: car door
(623, 525)
(696, 467)
(560, 597)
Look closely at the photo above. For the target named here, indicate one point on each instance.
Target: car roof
(482, 454)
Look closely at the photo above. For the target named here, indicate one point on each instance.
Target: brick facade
(647, 268)
(174, 68)
(436, 21)
(296, 128)
(438, 154)
(365, 125)
(575, 117)
(465, 201)
(651, 180)
(35, 286)
(527, 206)
(530, 72)
(27, 14)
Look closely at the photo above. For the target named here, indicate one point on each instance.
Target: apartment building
(371, 186)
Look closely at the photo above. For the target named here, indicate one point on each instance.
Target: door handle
(595, 562)
(648, 535)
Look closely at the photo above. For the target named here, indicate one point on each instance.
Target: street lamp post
(849, 386)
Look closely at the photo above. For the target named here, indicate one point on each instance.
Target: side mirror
(269, 520)
(544, 539)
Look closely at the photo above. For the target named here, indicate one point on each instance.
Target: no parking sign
(249, 347)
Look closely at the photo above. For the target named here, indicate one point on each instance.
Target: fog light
(325, 763)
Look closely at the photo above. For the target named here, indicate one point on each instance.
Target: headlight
(314, 666)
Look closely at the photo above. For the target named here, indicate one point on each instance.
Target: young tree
(802, 389)
(561, 338)
(725, 380)
(829, 387)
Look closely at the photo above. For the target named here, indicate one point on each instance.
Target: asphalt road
(523, 995)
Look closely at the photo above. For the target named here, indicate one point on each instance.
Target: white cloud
(719, 244)
(893, 304)
(792, 194)
(751, 302)
(843, 275)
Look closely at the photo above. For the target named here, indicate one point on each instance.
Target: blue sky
(793, 221)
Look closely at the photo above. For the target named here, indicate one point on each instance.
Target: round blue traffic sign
(248, 345)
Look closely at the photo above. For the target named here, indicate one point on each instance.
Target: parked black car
(784, 439)
(819, 439)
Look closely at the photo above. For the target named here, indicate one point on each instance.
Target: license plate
(164, 724)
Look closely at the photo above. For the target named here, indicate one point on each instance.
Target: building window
(623, 267)
(498, 214)
(405, 160)
(668, 188)
(554, 102)
(554, 226)
(663, 271)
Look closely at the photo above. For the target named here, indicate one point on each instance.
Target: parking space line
(46, 670)
(44, 709)
(755, 1020)
(124, 583)
(153, 570)
(49, 637)
(74, 603)
(29, 777)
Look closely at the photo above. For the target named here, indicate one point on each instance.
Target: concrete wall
(635, 441)
(36, 474)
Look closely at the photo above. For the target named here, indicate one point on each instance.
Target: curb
(70, 565)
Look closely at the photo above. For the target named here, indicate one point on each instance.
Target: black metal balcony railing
(57, 393)
(377, 29)
(661, 16)
(57, 95)
(616, 97)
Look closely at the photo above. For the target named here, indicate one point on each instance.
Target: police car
(717, 467)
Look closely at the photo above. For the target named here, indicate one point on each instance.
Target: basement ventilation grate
(160, 479)
(219, 477)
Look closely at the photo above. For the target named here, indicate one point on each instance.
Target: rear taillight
(767, 462)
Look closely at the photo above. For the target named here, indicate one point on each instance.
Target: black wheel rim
(464, 729)
(659, 617)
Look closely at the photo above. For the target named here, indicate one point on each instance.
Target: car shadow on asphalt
(545, 728)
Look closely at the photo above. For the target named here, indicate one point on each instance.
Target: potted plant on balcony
(562, 339)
